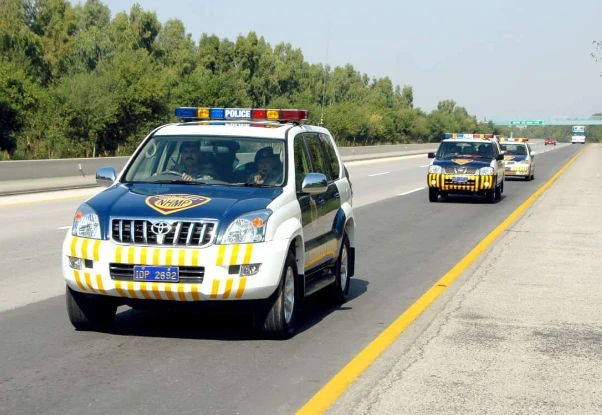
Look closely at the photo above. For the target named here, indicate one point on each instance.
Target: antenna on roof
(324, 77)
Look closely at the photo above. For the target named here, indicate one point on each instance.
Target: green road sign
(529, 122)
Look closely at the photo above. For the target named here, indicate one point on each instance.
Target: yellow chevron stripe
(131, 254)
(155, 288)
(156, 254)
(241, 287)
(181, 292)
(169, 292)
(168, 257)
(195, 258)
(85, 249)
(182, 258)
(143, 254)
(99, 284)
(131, 289)
(119, 289)
(78, 280)
(214, 288)
(220, 255)
(248, 253)
(234, 257)
(229, 282)
(89, 282)
(118, 254)
(96, 251)
(195, 293)
(145, 292)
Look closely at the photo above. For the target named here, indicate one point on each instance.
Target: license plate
(156, 274)
(508, 168)
(459, 179)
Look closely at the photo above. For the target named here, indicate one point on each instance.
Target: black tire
(490, 196)
(88, 313)
(271, 320)
(433, 194)
(339, 291)
(498, 192)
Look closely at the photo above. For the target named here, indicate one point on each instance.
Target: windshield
(515, 149)
(231, 161)
(459, 149)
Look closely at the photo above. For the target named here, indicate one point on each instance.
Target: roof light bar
(205, 113)
(514, 140)
(460, 135)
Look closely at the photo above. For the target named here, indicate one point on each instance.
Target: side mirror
(314, 183)
(533, 153)
(106, 176)
(431, 155)
(500, 157)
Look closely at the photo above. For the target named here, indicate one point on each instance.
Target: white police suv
(232, 206)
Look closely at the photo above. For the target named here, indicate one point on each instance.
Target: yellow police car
(468, 164)
(519, 158)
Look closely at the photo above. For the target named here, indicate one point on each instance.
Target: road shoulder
(519, 331)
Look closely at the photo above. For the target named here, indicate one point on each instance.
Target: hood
(463, 162)
(173, 201)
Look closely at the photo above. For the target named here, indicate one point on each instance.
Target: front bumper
(449, 182)
(220, 265)
(518, 170)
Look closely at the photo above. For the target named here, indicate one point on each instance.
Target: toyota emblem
(160, 228)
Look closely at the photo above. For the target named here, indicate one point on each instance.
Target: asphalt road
(210, 364)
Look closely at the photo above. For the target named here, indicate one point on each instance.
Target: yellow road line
(328, 395)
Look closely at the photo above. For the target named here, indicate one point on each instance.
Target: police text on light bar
(206, 113)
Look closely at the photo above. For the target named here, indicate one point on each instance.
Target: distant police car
(232, 205)
(519, 158)
(469, 164)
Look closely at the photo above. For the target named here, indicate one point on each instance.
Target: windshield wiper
(250, 185)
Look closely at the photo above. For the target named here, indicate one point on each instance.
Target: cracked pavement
(520, 331)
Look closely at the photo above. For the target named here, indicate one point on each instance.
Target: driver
(194, 164)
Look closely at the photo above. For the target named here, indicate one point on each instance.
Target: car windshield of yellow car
(458, 149)
(515, 149)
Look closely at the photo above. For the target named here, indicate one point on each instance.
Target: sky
(500, 59)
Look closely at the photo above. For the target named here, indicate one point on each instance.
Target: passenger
(269, 168)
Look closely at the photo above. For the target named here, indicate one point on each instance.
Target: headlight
(247, 228)
(434, 169)
(486, 171)
(86, 223)
(524, 161)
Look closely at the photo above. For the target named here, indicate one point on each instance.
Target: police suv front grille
(460, 170)
(163, 232)
(125, 272)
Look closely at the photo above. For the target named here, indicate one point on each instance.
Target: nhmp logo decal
(461, 161)
(167, 204)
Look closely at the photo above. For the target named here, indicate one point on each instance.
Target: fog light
(486, 184)
(248, 270)
(75, 263)
(433, 182)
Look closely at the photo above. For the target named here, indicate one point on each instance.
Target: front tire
(279, 320)
(86, 313)
(339, 291)
(433, 194)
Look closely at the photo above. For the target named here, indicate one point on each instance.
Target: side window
(313, 144)
(302, 163)
(331, 156)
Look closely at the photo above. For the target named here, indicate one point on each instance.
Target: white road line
(426, 165)
(378, 174)
(64, 227)
(411, 191)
